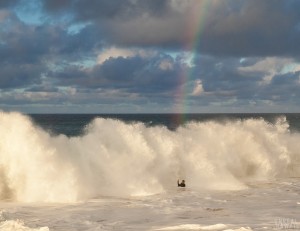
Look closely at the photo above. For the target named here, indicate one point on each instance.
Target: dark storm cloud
(57, 59)
(127, 22)
(256, 27)
(27, 51)
(136, 74)
(41, 88)
(98, 10)
(220, 77)
(223, 79)
(7, 3)
(221, 74)
(283, 87)
(17, 76)
(230, 27)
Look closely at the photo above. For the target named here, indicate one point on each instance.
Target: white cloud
(291, 68)
(198, 88)
(271, 66)
(68, 90)
(115, 52)
(166, 65)
(267, 64)
(37, 96)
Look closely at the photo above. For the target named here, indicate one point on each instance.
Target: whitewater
(241, 174)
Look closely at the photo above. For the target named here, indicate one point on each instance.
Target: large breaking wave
(114, 158)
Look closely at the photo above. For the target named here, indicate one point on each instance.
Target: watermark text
(286, 223)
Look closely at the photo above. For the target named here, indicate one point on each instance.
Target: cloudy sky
(143, 56)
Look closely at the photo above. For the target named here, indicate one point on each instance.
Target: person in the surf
(182, 184)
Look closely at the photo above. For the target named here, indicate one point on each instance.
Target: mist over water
(114, 158)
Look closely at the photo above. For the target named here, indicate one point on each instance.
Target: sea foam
(114, 158)
(12, 225)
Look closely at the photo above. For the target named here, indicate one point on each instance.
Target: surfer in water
(182, 184)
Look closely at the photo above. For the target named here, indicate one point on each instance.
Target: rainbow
(195, 28)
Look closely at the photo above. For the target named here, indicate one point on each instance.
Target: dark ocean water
(74, 124)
